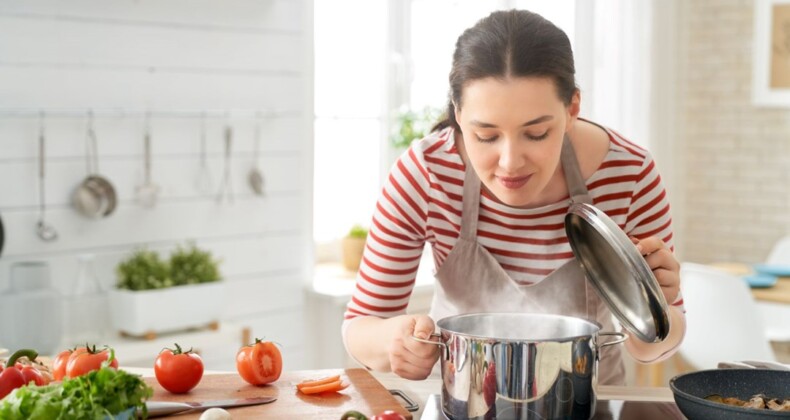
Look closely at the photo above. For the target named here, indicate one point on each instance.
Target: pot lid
(618, 272)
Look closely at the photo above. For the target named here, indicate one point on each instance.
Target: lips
(513, 182)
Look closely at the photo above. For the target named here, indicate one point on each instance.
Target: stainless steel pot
(519, 366)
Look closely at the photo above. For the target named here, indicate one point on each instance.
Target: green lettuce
(98, 395)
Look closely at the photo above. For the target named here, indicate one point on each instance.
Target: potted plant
(353, 246)
(153, 295)
(410, 125)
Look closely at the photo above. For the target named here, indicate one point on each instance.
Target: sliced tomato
(334, 386)
(316, 382)
(259, 363)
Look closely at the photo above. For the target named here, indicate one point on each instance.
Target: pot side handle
(435, 343)
(622, 339)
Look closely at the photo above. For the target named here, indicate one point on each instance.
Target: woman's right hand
(410, 358)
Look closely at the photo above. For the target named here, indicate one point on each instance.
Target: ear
(457, 112)
(573, 109)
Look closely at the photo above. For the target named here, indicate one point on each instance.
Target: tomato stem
(29, 353)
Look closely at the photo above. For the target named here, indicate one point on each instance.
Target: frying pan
(691, 389)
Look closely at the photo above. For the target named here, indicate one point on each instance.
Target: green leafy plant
(358, 231)
(410, 125)
(193, 266)
(145, 270)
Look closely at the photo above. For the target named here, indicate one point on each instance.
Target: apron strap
(471, 204)
(579, 194)
(573, 176)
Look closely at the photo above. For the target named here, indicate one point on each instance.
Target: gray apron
(472, 281)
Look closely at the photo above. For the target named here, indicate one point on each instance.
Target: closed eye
(486, 139)
(538, 138)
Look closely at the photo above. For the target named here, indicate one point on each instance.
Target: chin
(512, 198)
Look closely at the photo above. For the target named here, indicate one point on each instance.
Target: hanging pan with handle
(95, 196)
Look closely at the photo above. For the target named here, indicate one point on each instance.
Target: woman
(489, 189)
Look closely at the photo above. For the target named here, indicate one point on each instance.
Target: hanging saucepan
(95, 196)
(525, 366)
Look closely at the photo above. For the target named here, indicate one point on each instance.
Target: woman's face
(512, 135)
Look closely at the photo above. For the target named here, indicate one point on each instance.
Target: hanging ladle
(255, 177)
(204, 181)
(148, 192)
(44, 230)
(226, 188)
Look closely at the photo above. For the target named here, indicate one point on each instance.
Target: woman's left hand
(663, 263)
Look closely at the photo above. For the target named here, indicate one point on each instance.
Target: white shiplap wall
(174, 59)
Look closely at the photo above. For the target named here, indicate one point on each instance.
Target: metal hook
(91, 149)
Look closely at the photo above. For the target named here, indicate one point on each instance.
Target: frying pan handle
(622, 338)
(435, 343)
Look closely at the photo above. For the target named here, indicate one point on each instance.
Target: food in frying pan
(758, 401)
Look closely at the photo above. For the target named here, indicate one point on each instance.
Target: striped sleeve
(395, 241)
(649, 212)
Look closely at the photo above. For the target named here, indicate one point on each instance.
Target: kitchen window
(398, 53)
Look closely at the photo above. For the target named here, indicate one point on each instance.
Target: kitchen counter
(420, 391)
(424, 393)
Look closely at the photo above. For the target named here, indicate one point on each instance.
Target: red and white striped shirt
(421, 203)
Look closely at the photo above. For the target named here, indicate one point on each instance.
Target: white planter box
(148, 312)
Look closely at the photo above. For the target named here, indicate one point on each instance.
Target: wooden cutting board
(364, 394)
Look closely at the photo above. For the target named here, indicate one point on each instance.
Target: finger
(663, 259)
(407, 371)
(670, 284)
(423, 326)
(426, 360)
(420, 326)
(650, 245)
(410, 363)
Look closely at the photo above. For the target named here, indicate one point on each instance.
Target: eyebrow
(528, 123)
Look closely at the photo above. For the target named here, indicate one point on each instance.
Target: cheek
(482, 155)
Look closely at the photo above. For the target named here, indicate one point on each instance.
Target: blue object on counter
(760, 280)
(778, 270)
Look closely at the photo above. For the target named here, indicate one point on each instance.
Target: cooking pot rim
(596, 326)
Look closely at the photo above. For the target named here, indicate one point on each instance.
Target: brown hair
(510, 43)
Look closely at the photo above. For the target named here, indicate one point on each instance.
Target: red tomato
(178, 371)
(59, 365)
(388, 415)
(84, 360)
(259, 363)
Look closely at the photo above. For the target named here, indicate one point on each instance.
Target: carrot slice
(316, 382)
(327, 387)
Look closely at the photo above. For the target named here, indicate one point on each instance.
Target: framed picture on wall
(771, 70)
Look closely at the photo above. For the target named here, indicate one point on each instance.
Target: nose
(511, 155)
